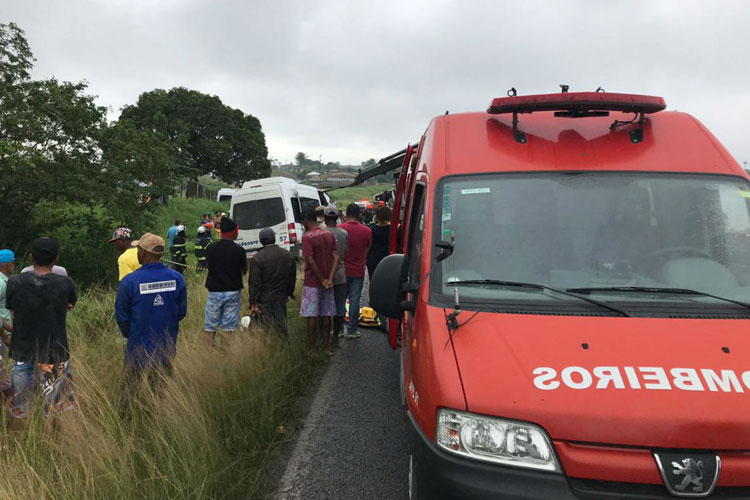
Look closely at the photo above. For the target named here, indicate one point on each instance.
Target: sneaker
(353, 335)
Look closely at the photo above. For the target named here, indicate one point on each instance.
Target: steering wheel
(663, 253)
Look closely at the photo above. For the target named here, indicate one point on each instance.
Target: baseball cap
(331, 211)
(122, 233)
(44, 250)
(6, 256)
(150, 243)
(267, 236)
(320, 208)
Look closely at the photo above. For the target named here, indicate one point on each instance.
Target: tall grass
(210, 433)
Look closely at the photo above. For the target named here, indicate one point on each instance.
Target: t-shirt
(4, 311)
(360, 238)
(342, 245)
(40, 306)
(381, 239)
(127, 262)
(55, 270)
(227, 262)
(171, 233)
(319, 245)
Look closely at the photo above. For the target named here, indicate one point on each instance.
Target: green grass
(345, 196)
(212, 433)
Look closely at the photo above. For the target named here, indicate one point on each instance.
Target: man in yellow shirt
(127, 262)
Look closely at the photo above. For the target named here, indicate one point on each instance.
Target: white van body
(275, 202)
(225, 194)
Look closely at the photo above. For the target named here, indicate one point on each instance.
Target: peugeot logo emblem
(688, 474)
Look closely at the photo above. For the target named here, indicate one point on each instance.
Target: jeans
(354, 294)
(223, 310)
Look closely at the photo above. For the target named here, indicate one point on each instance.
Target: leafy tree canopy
(208, 136)
(64, 171)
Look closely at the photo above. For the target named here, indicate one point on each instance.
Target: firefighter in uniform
(179, 252)
(202, 241)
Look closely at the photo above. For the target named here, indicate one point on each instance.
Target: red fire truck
(570, 288)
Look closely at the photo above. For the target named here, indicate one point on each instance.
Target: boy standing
(40, 301)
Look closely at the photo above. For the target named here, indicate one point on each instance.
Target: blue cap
(6, 256)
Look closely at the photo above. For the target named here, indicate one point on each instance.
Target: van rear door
(258, 208)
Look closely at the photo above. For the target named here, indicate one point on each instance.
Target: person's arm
(369, 241)
(7, 326)
(72, 296)
(291, 277)
(122, 308)
(334, 267)
(254, 281)
(181, 299)
(244, 261)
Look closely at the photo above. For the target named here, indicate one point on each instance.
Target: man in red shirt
(321, 261)
(360, 239)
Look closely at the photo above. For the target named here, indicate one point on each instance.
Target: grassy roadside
(345, 196)
(212, 433)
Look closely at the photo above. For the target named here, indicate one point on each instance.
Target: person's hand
(69, 306)
(328, 284)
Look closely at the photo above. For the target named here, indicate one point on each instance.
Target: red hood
(498, 355)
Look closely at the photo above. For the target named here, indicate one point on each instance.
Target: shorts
(223, 309)
(54, 384)
(317, 301)
(339, 295)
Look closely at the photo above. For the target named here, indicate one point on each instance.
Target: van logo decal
(688, 474)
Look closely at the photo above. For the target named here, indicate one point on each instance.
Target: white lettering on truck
(642, 377)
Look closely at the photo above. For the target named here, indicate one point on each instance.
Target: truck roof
(482, 143)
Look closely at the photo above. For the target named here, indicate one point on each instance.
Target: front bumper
(447, 477)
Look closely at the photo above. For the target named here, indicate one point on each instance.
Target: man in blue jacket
(149, 306)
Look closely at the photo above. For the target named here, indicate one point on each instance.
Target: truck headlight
(495, 440)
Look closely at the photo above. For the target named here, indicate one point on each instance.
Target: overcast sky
(352, 80)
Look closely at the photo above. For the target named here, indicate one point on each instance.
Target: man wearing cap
(127, 262)
(40, 301)
(227, 262)
(7, 266)
(273, 276)
(360, 239)
(149, 306)
(331, 214)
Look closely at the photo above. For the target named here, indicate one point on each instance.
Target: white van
(275, 202)
(225, 194)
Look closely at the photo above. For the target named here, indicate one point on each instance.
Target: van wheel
(416, 491)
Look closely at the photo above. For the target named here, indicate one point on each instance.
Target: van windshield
(257, 214)
(596, 230)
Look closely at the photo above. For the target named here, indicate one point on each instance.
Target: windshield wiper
(663, 290)
(535, 286)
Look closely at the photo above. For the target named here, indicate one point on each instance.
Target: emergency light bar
(579, 104)
(578, 101)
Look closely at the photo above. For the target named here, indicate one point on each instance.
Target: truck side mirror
(386, 286)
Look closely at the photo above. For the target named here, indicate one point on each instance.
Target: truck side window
(416, 232)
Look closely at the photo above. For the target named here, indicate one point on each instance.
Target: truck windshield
(257, 214)
(596, 230)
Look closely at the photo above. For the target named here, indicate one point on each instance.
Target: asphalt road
(353, 443)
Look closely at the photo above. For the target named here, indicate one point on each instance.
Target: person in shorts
(227, 263)
(40, 301)
(321, 262)
(331, 214)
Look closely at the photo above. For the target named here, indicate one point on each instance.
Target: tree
(208, 137)
(301, 159)
(66, 173)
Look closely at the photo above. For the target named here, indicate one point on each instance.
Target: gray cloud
(352, 80)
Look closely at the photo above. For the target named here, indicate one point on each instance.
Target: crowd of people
(151, 298)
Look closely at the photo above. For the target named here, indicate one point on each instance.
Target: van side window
(416, 232)
(309, 203)
(296, 210)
